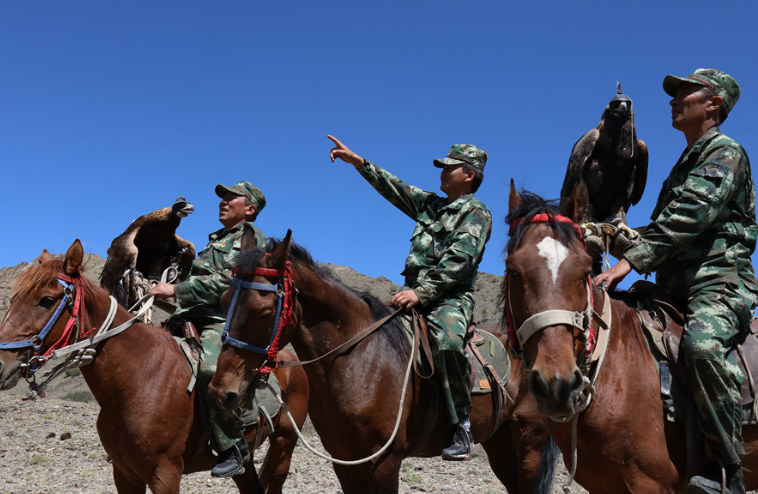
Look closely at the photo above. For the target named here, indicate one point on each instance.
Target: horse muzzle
(10, 374)
(556, 397)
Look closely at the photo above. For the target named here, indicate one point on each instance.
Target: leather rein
(284, 316)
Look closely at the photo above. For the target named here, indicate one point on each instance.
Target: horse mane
(531, 205)
(393, 330)
(43, 276)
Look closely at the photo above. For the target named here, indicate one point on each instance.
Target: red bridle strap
(77, 313)
(549, 218)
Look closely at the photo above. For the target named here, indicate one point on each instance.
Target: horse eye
(47, 302)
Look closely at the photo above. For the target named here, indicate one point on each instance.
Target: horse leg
(248, 482)
(380, 478)
(523, 460)
(276, 464)
(166, 478)
(127, 485)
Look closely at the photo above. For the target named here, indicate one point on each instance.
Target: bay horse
(355, 392)
(624, 444)
(149, 424)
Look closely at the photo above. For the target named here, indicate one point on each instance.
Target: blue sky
(109, 110)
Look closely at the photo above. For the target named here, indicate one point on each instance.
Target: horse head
(33, 326)
(548, 295)
(259, 307)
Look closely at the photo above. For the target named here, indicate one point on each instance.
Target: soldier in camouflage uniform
(199, 301)
(700, 242)
(446, 248)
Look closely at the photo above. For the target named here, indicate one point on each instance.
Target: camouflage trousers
(714, 317)
(226, 425)
(447, 322)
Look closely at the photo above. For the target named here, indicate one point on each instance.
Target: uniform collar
(698, 146)
(222, 232)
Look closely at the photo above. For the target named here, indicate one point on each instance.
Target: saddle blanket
(490, 348)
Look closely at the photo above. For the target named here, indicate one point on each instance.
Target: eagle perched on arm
(147, 247)
(611, 161)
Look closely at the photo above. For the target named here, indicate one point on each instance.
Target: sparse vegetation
(83, 396)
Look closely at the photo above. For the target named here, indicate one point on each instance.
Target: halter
(283, 317)
(582, 321)
(71, 288)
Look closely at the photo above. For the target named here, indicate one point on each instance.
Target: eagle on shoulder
(611, 161)
(148, 247)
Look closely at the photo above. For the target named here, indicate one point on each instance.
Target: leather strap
(355, 339)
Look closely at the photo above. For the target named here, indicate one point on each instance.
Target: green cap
(464, 153)
(246, 189)
(719, 82)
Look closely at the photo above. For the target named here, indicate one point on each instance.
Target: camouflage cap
(721, 83)
(246, 189)
(464, 153)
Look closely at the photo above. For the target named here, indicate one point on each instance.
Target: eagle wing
(122, 257)
(580, 153)
(640, 172)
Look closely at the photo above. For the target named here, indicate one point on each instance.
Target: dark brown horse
(624, 443)
(149, 424)
(355, 392)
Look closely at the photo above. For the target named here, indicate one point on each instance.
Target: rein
(284, 307)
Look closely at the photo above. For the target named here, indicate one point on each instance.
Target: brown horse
(624, 444)
(355, 392)
(149, 424)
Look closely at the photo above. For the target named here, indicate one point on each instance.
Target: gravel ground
(51, 446)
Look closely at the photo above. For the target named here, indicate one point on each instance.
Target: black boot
(231, 461)
(460, 448)
(712, 485)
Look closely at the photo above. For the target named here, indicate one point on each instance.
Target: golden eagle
(611, 161)
(145, 250)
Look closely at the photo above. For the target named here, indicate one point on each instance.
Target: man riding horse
(699, 243)
(199, 301)
(440, 271)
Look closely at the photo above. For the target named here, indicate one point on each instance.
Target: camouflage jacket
(704, 228)
(448, 242)
(199, 296)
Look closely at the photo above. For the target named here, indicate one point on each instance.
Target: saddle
(663, 321)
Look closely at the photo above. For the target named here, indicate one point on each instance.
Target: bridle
(582, 321)
(76, 344)
(72, 297)
(284, 307)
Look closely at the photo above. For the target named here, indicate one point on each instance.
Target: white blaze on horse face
(554, 253)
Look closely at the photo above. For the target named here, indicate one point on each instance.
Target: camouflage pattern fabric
(700, 242)
(199, 299)
(446, 248)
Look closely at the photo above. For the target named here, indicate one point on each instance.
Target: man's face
(232, 210)
(689, 106)
(453, 180)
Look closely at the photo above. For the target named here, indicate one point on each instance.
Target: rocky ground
(51, 446)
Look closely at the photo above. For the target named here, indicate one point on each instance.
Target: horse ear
(248, 240)
(575, 207)
(74, 258)
(514, 199)
(44, 257)
(282, 251)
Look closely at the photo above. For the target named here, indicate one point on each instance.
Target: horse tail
(550, 455)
